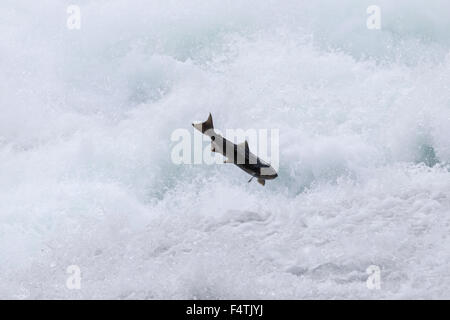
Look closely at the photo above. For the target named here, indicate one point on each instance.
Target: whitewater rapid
(86, 176)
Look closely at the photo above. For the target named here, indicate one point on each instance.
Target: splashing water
(86, 176)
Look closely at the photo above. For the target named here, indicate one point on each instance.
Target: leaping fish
(239, 154)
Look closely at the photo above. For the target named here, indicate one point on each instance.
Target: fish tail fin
(204, 126)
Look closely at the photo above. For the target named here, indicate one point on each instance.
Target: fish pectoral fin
(250, 179)
(262, 182)
(227, 161)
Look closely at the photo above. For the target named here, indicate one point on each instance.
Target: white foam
(85, 170)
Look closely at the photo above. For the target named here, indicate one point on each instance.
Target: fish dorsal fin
(244, 145)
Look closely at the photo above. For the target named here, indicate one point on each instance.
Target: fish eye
(213, 138)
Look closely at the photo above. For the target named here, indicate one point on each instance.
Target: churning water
(86, 176)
